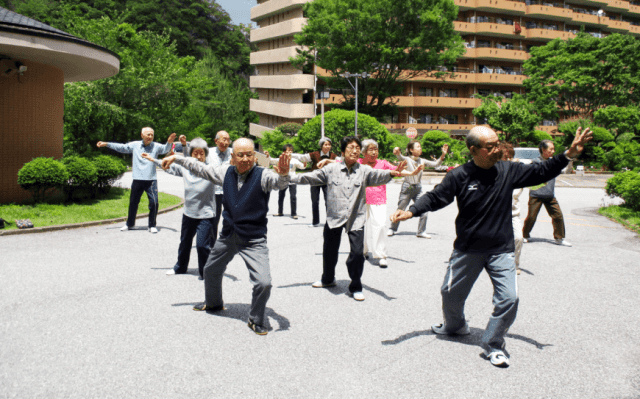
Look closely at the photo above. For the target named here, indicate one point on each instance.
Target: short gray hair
(544, 144)
(198, 143)
(220, 132)
(323, 140)
(368, 142)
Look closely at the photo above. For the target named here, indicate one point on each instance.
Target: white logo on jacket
(472, 187)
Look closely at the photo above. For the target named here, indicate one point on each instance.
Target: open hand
(146, 156)
(282, 168)
(171, 138)
(445, 149)
(324, 163)
(417, 170)
(581, 138)
(183, 139)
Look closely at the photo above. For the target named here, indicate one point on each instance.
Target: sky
(239, 10)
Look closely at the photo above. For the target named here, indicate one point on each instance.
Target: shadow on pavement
(474, 339)
(341, 288)
(240, 311)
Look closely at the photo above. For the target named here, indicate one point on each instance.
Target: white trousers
(374, 231)
(518, 239)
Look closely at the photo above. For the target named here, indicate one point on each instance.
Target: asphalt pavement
(91, 313)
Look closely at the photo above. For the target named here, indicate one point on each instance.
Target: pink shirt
(378, 195)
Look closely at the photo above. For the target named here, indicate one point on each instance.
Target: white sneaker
(320, 284)
(314, 225)
(423, 235)
(153, 230)
(125, 228)
(171, 272)
(563, 242)
(390, 233)
(383, 262)
(497, 358)
(525, 240)
(358, 296)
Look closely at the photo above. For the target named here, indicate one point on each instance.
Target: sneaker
(563, 242)
(497, 358)
(423, 235)
(171, 272)
(314, 225)
(320, 284)
(518, 272)
(441, 329)
(203, 307)
(200, 278)
(277, 214)
(525, 240)
(153, 230)
(383, 262)
(390, 233)
(358, 295)
(257, 328)
(294, 216)
(125, 228)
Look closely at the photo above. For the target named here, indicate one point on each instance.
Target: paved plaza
(91, 313)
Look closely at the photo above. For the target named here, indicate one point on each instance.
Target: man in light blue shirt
(144, 173)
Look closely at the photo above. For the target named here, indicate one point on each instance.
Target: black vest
(245, 211)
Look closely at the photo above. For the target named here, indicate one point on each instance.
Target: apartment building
(498, 36)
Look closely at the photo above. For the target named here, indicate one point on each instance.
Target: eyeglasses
(353, 147)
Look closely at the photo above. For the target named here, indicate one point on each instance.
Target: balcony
(257, 130)
(272, 56)
(589, 19)
(548, 34)
(284, 110)
(437, 102)
(549, 13)
(617, 26)
(634, 9)
(489, 53)
(504, 7)
(499, 79)
(274, 7)
(282, 82)
(634, 30)
(491, 29)
(428, 126)
(282, 29)
(617, 6)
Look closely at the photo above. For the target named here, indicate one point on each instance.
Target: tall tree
(619, 120)
(513, 119)
(391, 40)
(576, 77)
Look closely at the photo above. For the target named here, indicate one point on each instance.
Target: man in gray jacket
(543, 194)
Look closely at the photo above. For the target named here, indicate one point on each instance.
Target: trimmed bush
(82, 174)
(108, 170)
(290, 129)
(42, 175)
(627, 186)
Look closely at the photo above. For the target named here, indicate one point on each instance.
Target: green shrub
(290, 129)
(42, 175)
(627, 186)
(339, 123)
(108, 170)
(82, 174)
(398, 140)
(623, 155)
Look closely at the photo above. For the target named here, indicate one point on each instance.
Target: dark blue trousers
(137, 188)
(204, 242)
(292, 197)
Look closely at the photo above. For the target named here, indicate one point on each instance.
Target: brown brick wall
(31, 112)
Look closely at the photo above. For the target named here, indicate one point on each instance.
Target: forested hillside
(184, 69)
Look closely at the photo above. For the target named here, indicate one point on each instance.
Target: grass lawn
(55, 212)
(623, 215)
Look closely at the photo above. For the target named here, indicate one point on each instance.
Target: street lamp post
(322, 95)
(348, 75)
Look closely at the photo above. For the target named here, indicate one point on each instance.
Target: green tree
(432, 142)
(339, 123)
(593, 152)
(623, 155)
(584, 74)
(151, 89)
(391, 40)
(512, 119)
(220, 101)
(619, 120)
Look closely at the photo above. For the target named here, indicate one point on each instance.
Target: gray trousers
(256, 256)
(408, 193)
(462, 272)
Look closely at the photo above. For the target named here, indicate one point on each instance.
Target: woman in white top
(412, 187)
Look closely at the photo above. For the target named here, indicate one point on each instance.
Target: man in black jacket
(483, 189)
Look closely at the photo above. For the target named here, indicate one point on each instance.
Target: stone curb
(47, 229)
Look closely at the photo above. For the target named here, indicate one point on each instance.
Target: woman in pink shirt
(374, 230)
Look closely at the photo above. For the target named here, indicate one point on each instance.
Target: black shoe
(203, 306)
(200, 278)
(257, 328)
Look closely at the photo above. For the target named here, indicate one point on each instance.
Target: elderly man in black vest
(244, 228)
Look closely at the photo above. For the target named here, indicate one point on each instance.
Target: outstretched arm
(122, 148)
(167, 147)
(174, 170)
(214, 174)
(581, 138)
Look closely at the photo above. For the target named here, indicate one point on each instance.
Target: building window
(425, 118)
(425, 92)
